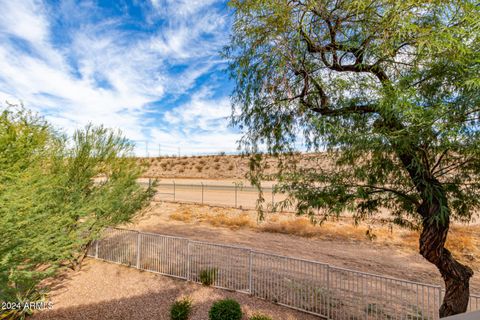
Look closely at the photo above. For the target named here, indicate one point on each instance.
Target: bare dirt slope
(339, 244)
(213, 166)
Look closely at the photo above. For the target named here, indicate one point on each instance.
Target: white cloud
(202, 114)
(24, 19)
(116, 73)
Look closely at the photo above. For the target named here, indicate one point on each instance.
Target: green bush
(52, 204)
(208, 276)
(180, 309)
(259, 316)
(227, 309)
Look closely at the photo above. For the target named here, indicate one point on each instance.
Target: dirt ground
(108, 291)
(102, 290)
(345, 246)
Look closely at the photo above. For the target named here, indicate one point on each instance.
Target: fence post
(365, 296)
(328, 293)
(173, 190)
(439, 298)
(250, 267)
(96, 248)
(235, 195)
(138, 249)
(188, 260)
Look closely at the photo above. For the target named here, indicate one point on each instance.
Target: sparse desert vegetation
(464, 241)
(361, 122)
(215, 166)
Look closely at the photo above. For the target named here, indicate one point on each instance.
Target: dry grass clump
(299, 226)
(215, 218)
(303, 227)
(242, 220)
(463, 241)
(182, 215)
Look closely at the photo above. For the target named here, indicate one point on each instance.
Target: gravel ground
(102, 290)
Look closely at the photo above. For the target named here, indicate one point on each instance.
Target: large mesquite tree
(390, 88)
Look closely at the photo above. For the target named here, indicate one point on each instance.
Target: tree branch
(401, 194)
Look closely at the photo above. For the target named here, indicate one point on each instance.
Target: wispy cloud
(143, 69)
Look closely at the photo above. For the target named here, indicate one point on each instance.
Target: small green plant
(259, 316)
(180, 309)
(208, 276)
(227, 309)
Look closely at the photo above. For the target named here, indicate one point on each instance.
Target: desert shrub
(259, 316)
(227, 309)
(52, 207)
(207, 276)
(180, 309)
(222, 219)
(230, 167)
(199, 168)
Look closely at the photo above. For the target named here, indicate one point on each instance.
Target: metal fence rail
(236, 195)
(309, 286)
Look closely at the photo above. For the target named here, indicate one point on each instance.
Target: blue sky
(150, 68)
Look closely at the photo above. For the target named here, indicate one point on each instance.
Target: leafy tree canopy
(368, 81)
(390, 89)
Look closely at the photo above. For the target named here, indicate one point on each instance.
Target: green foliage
(20, 312)
(259, 316)
(390, 89)
(181, 309)
(57, 195)
(227, 309)
(207, 276)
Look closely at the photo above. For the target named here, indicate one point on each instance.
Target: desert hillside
(215, 166)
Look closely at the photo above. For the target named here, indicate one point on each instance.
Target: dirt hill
(214, 166)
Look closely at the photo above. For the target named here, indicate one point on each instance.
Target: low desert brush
(181, 309)
(184, 215)
(207, 276)
(227, 309)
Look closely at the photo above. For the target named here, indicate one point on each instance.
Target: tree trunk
(455, 275)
